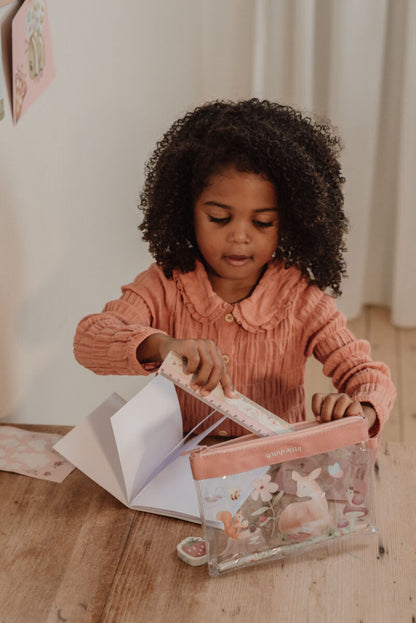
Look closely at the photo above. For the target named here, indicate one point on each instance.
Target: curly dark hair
(298, 155)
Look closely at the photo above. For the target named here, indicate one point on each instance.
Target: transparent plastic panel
(286, 508)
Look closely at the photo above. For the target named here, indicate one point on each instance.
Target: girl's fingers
(341, 406)
(355, 408)
(327, 407)
(209, 372)
(227, 385)
(317, 400)
(213, 371)
(189, 351)
(205, 362)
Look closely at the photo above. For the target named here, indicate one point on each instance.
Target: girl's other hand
(203, 360)
(327, 407)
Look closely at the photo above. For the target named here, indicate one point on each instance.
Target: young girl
(243, 213)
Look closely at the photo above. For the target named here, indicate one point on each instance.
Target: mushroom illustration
(353, 510)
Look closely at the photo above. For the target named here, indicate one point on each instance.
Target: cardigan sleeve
(106, 342)
(347, 360)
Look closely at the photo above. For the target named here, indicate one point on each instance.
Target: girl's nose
(240, 232)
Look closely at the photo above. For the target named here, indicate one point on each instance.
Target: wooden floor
(397, 348)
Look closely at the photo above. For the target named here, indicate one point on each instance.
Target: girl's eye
(226, 219)
(222, 221)
(263, 223)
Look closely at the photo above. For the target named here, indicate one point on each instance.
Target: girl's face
(236, 229)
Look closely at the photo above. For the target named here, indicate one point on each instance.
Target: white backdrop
(354, 61)
(71, 170)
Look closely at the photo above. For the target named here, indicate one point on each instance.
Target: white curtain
(354, 63)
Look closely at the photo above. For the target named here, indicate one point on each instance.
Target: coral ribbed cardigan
(267, 338)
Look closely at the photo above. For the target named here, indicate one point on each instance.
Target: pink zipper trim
(237, 456)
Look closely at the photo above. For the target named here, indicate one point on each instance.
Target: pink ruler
(241, 409)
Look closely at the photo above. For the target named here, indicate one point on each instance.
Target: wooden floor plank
(383, 338)
(407, 384)
(396, 533)
(359, 326)
(61, 586)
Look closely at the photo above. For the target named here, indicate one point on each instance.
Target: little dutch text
(284, 451)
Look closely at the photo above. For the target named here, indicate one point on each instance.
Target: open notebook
(135, 449)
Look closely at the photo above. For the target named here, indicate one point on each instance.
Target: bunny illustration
(310, 517)
(36, 47)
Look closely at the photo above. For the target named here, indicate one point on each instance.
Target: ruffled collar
(268, 304)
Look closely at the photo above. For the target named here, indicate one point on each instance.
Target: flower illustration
(264, 488)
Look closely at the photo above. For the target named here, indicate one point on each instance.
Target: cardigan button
(226, 359)
(229, 317)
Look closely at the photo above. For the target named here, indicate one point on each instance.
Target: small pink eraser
(192, 550)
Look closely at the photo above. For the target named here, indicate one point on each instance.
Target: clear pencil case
(266, 498)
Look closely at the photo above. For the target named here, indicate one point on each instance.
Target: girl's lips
(237, 260)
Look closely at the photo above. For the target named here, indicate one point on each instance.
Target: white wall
(70, 176)
(72, 169)
(71, 173)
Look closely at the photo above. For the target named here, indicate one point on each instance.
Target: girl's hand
(327, 407)
(203, 360)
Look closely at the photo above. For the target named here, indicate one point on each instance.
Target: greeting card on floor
(31, 454)
(32, 58)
